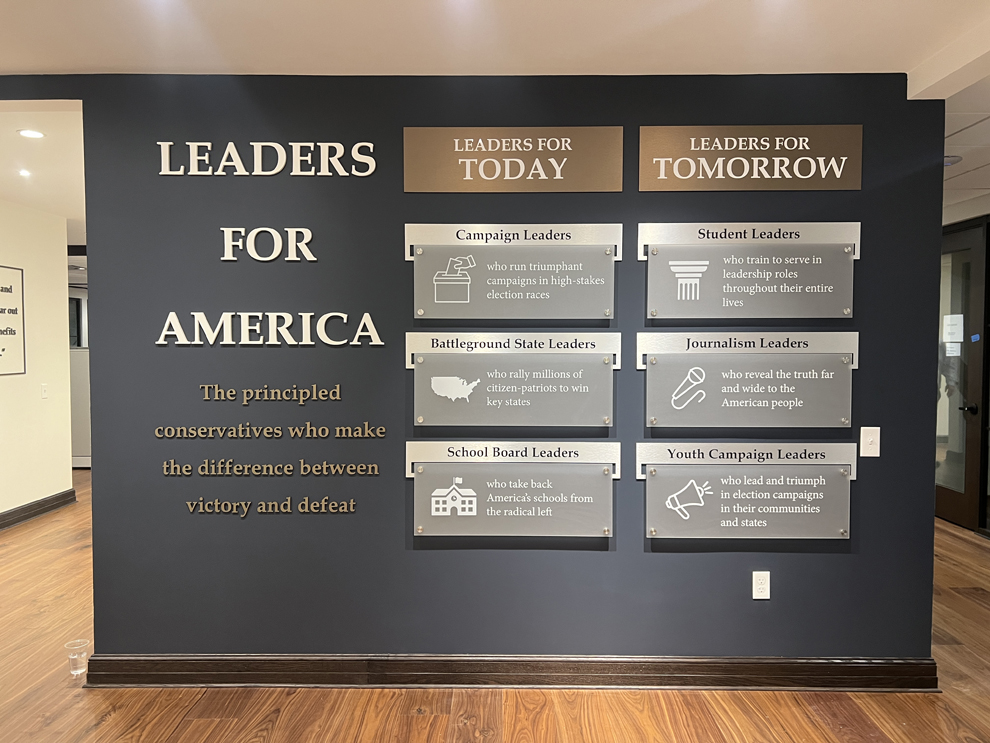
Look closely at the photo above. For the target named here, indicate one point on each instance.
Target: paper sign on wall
(11, 320)
(952, 328)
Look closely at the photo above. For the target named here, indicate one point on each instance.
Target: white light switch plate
(44, 391)
(869, 441)
(761, 584)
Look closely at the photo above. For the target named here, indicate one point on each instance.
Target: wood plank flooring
(46, 600)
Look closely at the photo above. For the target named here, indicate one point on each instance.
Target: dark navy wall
(169, 582)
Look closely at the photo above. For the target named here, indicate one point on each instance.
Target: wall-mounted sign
(12, 341)
(512, 488)
(751, 158)
(513, 379)
(506, 159)
(715, 490)
(749, 270)
(513, 271)
(748, 380)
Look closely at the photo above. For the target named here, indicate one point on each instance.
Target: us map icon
(453, 388)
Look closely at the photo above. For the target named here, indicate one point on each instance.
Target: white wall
(35, 433)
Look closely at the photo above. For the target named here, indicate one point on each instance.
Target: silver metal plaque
(513, 499)
(747, 501)
(691, 453)
(607, 453)
(508, 271)
(748, 270)
(748, 380)
(513, 379)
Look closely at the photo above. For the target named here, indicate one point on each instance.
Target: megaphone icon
(694, 495)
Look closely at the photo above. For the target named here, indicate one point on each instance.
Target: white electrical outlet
(761, 584)
(44, 391)
(869, 441)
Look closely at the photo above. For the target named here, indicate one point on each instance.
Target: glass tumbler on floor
(78, 653)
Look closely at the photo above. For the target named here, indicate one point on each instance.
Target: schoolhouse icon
(455, 499)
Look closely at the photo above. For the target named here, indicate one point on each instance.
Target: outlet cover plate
(761, 584)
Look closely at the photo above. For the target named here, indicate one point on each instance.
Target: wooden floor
(46, 600)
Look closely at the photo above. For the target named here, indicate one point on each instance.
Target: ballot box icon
(453, 286)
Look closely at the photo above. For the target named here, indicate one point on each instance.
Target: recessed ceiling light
(949, 160)
(30, 133)
(25, 173)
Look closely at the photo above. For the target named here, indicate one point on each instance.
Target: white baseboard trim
(82, 462)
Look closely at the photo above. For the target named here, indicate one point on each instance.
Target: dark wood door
(961, 427)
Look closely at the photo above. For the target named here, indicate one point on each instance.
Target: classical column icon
(688, 275)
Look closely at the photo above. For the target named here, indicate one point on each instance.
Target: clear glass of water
(78, 653)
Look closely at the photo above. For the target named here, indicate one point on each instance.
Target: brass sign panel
(751, 158)
(512, 159)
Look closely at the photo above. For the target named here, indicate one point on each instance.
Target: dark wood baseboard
(37, 508)
(876, 674)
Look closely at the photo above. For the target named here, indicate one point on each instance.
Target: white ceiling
(55, 162)
(457, 37)
(967, 134)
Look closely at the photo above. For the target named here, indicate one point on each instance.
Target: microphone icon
(695, 376)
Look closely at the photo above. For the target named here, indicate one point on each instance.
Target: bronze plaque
(512, 159)
(751, 158)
